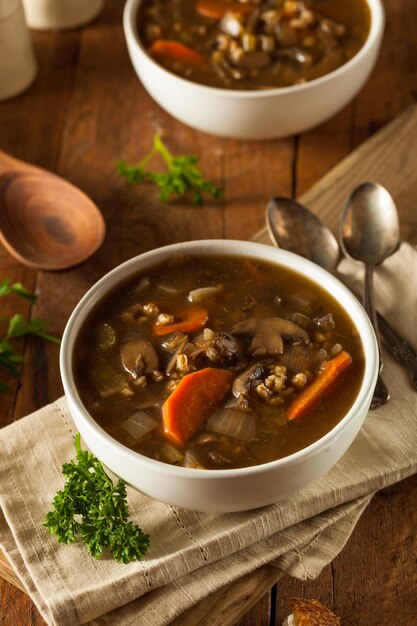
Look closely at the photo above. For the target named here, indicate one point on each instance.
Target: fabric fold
(193, 554)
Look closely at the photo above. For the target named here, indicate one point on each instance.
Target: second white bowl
(254, 114)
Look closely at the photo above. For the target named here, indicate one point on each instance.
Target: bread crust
(313, 613)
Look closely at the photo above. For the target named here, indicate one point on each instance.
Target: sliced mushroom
(241, 384)
(302, 320)
(139, 357)
(130, 314)
(219, 347)
(219, 458)
(294, 55)
(254, 60)
(268, 334)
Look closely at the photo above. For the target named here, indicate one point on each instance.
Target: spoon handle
(381, 393)
(400, 349)
(369, 306)
(7, 163)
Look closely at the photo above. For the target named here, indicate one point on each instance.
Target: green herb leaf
(18, 327)
(9, 359)
(6, 288)
(132, 173)
(91, 506)
(181, 178)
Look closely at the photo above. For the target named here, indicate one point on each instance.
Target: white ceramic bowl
(234, 489)
(263, 114)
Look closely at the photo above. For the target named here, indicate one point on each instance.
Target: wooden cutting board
(390, 158)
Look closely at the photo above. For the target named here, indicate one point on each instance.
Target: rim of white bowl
(214, 247)
(376, 30)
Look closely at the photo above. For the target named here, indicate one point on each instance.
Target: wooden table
(88, 109)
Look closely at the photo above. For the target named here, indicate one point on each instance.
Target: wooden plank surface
(87, 109)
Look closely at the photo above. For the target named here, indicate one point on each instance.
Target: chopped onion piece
(233, 423)
(191, 459)
(143, 399)
(296, 359)
(142, 284)
(139, 424)
(170, 289)
(108, 382)
(204, 292)
(303, 302)
(171, 454)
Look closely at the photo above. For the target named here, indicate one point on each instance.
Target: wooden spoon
(45, 222)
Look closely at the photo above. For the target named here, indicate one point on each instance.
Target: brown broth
(249, 289)
(273, 56)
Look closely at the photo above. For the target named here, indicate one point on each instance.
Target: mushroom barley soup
(218, 362)
(253, 44)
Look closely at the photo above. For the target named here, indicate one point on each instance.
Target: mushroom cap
(139, 357)
(268, 334)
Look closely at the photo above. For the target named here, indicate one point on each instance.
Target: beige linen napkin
(193, 554)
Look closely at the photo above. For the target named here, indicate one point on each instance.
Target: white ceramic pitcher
(18, 66)
(60, 14)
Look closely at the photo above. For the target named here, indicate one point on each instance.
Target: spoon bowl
(369, 234)
(46, 222)
(294, 227)
(370, 228)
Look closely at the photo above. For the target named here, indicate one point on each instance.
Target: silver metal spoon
(294, 227)
(369, 234)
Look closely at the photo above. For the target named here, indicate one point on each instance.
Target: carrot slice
(217, 8)
(312, 394)
(164, 49)
(191, 320)
(192, 402)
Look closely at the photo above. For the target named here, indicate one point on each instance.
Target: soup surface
(254, 44)
(218, 362)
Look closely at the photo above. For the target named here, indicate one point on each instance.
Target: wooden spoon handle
(9, 164)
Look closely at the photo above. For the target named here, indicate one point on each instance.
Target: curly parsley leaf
(134, 174)
(181, 178)
(92, 507)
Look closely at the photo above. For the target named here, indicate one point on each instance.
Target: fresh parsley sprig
(18, 327)
(182, 177)
(6, 288)
(91, 506)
